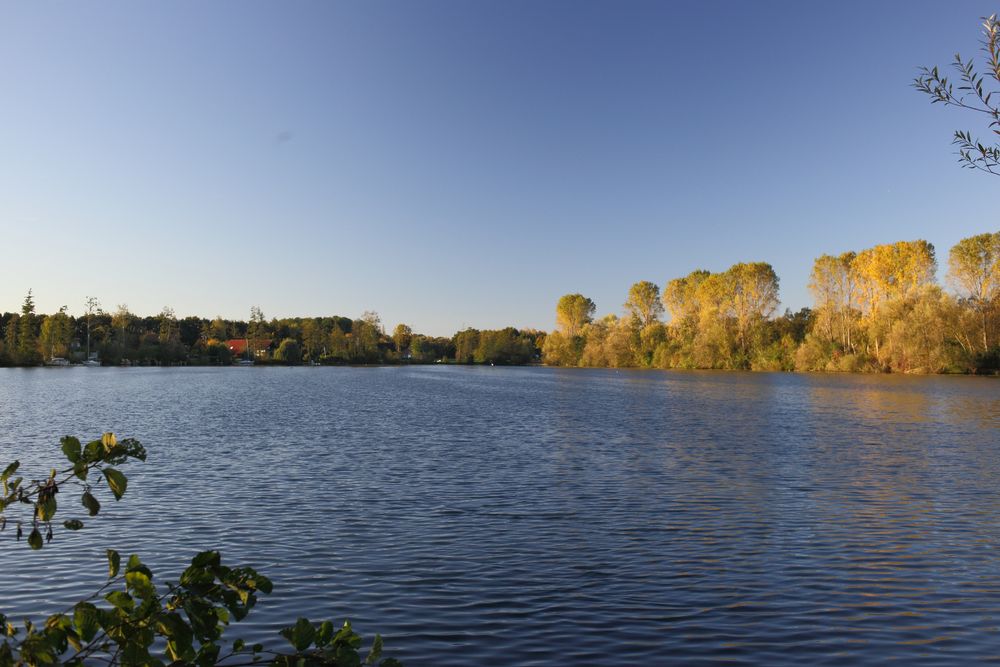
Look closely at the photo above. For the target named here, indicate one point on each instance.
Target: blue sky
(454, 164)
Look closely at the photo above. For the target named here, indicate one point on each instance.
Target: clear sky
(454, 164)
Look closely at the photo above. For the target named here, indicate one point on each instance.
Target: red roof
(238, 346)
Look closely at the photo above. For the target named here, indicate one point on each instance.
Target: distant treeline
(121, 337)
(875, 310)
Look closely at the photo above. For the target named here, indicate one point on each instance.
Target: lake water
(525, 516)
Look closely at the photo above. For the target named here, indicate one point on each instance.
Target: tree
(92, 305)
(832, 283)
(644, 303)
(288, 351)
(572, 312)
(10, 337)
(218, 329)
(27, 348)
(975, 93)
(55, 335)
(137, 620)
(256, 330)
(754, 296)
(465, 343)
(121, 320)
(974, 270)
(313, 338)
(401, 336)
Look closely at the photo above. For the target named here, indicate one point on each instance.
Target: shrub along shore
(880, 309)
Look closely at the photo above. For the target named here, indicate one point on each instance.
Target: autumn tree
(753, 289)
(572, 312)
(832, 283)
(401, 336)
(643, 303)
(974, 271)
(886, 273)
(55, 335)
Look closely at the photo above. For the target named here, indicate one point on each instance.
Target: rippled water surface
(538, 516)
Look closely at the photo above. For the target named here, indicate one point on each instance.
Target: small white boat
(91, 363)
(57, 361)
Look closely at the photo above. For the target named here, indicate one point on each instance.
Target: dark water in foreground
(538, 516)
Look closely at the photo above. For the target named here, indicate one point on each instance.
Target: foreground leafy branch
(132, 620)
(974, 93)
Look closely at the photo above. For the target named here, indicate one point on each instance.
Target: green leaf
(91, 503)
(85, 620)
(35, 539)
(300, 635)
(206, 559)
(94, 451)
(71, 448)
(46, 509)
(114, 563)
(376, 652)
(121, 600)
(80, 469)
(140, 584)
(238, 645)
(325, 633)
(10, 470)
(117, 482)
(135, 565)
(73, 524)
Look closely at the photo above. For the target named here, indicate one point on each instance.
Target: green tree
(55, 335)
(218, 329)
(27, 345)
(10, 337)
(91, 306)
(466, 342)
(121, 320)
(313, 338)
(257, 332)
(288, 352)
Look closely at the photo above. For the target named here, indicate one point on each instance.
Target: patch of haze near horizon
(448, 164)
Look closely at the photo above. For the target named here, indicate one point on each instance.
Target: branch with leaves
(973, 93)
(131, 620)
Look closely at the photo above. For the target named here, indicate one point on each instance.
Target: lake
(519, 516)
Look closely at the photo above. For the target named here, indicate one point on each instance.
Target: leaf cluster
(132, 619)
(88, 463)
(972, 93)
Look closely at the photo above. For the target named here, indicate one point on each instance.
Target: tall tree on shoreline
(644, 303)
(974, 270)
(27, 347)
(573, 312)
(92, 305)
